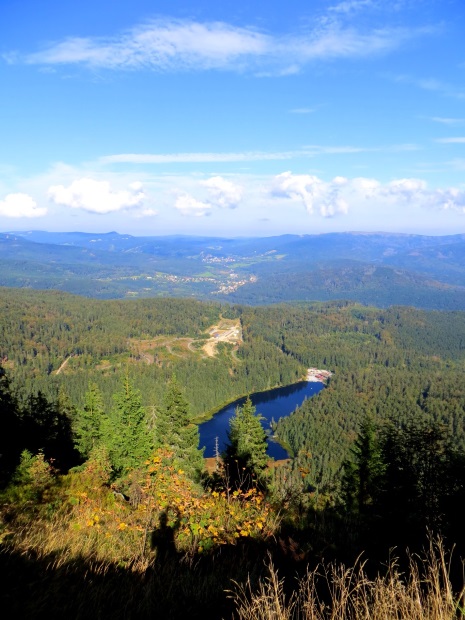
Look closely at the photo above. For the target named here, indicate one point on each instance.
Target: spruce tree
(89, 421)
(245, 457)
(363, 474)
(175, 431)
(126, 434)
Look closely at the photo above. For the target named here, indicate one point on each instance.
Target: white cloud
(433, 85)
(20, 205)
(403, 189)
(456, 140)
(312, 150)
(451, 198)
(188, 205)
(96, 196)
(448, 121)
(317, 195)
(146, 213)
(195, 158)
(223, 193)
(348, 6)
(182, 45)
(337, 196)
(365, 188)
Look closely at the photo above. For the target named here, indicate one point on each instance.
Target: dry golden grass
(334, 592)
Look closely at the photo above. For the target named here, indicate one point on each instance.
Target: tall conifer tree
(90, 421)
(245, 457)
(127, 433)
(175, 431)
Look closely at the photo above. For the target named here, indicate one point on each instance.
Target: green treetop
(175, 431)
(245, 457)
(89, 421)
(127, 434)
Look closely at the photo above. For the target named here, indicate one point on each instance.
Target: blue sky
(233, 118)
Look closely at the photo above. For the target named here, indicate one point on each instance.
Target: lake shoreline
(208, 415)
(272, 404)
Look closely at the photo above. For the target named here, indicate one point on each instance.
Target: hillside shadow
(173, 586)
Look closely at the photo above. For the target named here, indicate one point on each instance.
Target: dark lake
(273, 404)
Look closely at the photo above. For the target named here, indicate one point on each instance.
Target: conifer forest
(107, 500)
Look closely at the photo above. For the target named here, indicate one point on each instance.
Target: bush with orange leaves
(202, 519)
(92, 518)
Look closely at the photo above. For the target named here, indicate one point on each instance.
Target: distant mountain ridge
(377, 268)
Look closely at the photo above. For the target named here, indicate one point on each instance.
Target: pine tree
(89, 421)
(175, 431)
(126, 434)
(245, 457)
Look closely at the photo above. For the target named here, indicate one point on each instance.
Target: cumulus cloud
(220, 193)
(317, 195)
(335, 197)
(20, 205)
(223, 193)
(146, 213)
(96, 196)
(188, 205)
(183, 45)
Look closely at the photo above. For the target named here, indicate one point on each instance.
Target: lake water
(273, 404)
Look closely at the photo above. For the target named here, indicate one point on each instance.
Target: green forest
(106, 498)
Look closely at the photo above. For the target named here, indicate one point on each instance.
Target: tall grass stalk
(334, 592)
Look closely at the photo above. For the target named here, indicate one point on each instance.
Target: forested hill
(397, 362)
(51, 339)
(373, 268)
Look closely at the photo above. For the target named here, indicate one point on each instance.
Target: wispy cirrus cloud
(452, 140)
(349, 6)
(447, 121)
(433, 85)
(302, 111)
(195, 158)
(311, 150)
(182, 45)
